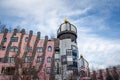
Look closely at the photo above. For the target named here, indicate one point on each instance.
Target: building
(66, 53)
(83, 69)
(27, 57)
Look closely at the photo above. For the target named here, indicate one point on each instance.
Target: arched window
(49, 48)
(39, 59)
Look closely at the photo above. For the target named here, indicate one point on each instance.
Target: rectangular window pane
(69, 52)
(64, 59)
(14, 39)
(3, 47)
(27, 59)
(57, 60)
(1, 59)
(56, 52)
(39, 59)
(12, 59)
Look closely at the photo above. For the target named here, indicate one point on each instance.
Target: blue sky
(97, 21)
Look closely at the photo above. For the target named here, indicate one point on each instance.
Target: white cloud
(76, 12)
(98, 51)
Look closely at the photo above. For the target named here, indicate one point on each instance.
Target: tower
(67, 31)
(68, 50)
(83, 68)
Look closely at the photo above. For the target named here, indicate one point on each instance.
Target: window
(57, 60)
(28, 49)
(26, 39)
(11, 59)
(48, 70)
(3, 47)
(0, 47)
(74, 47)
(13, 49)
(39, 49)
(35, 78)
(58, 30)
(1, 59)
(27, 59)
(49, 48)
(8, 70)
(4, 39)
(63, 27)
(67, 26)
(56, 52)
(73, 28)
(14, 39)
(69, 52)
(49, 59)
(64, 59)
(39, 59)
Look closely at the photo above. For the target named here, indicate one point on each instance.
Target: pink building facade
(25, 56)
(28, 57)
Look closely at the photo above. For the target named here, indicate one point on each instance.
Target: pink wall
(23, 47)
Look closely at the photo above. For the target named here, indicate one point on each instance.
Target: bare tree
(18, 28)
(2, 27)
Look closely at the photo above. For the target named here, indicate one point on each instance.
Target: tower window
(35, 78)
(57, 60)
(63, 27)
(56, 52)
(1, 59)
(64, 59)
(49, 48)
(67, 26)
(69, 52)
(74, 47)
(27, 59)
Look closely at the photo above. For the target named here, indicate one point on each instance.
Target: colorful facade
(28, 53)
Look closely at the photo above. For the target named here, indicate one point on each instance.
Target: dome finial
(66, 20)
(81, 55)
